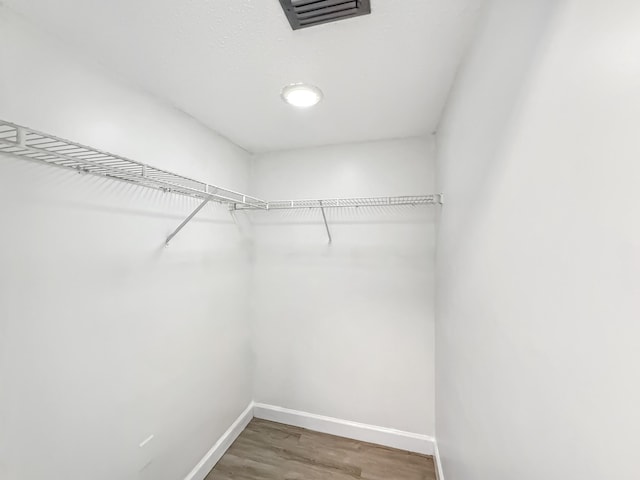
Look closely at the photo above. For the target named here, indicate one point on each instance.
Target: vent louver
(307, 13)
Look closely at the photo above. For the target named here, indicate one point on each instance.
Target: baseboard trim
(438, 462)
(202, 469)
(412, 442)
(389, 437)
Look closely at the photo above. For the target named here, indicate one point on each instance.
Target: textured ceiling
(384, 75)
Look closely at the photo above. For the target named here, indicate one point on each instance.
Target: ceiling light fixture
(301, 95)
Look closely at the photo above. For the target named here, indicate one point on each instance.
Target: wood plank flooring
(267, 450)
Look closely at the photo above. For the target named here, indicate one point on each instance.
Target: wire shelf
(40, 147)
(410, 200)
(44, 148)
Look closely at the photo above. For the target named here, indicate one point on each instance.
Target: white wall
(538, 264)
(106, 336)
(347, 330)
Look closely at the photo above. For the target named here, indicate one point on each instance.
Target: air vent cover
(307, 13)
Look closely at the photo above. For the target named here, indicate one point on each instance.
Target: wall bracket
(186, 220)
(326, 225)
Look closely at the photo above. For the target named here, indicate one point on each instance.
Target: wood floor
(267, 450)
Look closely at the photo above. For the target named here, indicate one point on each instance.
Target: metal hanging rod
(413, 200)
(41, 147)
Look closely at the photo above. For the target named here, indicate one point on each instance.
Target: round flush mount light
(301, 95)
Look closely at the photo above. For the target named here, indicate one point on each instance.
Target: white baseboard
(202, 469)
(412, 442)
(438, 462)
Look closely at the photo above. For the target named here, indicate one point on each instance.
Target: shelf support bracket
(326, 225)
(187, 220)
(232, 210)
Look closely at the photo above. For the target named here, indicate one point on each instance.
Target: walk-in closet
(319, 239)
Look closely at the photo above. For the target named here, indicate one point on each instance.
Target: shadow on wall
(82, 214)
(419, 214)
(459, 135)
(88, 192)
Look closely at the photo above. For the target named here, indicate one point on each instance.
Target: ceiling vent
(307, 13)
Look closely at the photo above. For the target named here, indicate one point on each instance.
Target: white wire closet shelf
(29, 144)
(354, 202)
(44, 148)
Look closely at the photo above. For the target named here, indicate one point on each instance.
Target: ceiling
(384, 75)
